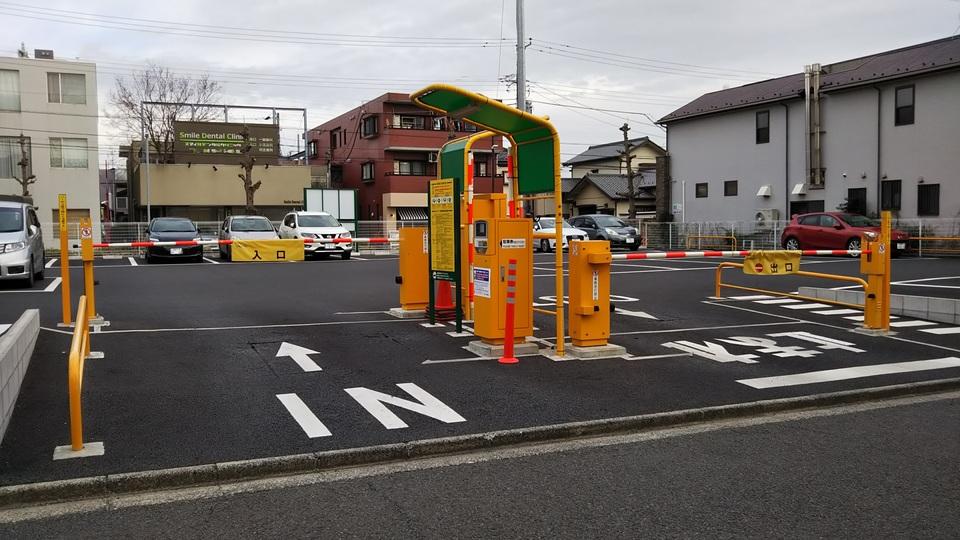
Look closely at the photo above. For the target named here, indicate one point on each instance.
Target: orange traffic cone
(444, 296)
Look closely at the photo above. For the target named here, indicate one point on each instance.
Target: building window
(856, 201)
(481, 168)
(928, 200)
(890, 195)
(439, 123)
(903, 108)
(763, 127)
(9, 90)
(410, 168)
(701, 190)
(68, 153)
(367, 171)
(730, 188)
(369, 126)
(467, 127)
(10, 156)
(312, 149)
(404, 121)
(334, 138)
(68, 88)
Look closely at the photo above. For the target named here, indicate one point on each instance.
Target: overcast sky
(330, 56)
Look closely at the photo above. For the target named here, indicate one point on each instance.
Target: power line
(632, 65)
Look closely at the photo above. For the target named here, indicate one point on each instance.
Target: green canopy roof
(535, 139)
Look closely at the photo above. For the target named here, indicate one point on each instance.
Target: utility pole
(24, 163)
(627, 154)
(246, 162)
(521, 61)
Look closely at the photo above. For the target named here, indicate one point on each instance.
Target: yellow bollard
(876, 266)
(589, 284)
(414, 278)
(64, 262)
(86, 256)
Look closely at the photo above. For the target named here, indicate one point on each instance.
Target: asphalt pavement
(881, 470)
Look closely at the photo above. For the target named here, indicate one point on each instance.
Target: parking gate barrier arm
(718, 285)
(79, 351)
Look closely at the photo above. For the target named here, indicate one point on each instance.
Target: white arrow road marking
(308, 421)
(300, 355)
(641, 314)
(842, 374)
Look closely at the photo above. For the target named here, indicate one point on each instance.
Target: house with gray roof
(598, 193)
(880, 132)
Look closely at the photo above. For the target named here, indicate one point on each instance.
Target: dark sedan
(168, 229)
(610, 228)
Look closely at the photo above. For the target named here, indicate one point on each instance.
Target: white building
(53, 103)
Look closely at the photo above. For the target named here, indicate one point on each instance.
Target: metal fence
(712, 235)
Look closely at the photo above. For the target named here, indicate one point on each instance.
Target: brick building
(387, 149)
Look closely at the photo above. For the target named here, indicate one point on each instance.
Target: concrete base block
(95, 355)
(460, 334)
(872, 332)
(601, 351)
(99, 321)
(90, 449)
(401, 313)
(496, 351)
(63, 325)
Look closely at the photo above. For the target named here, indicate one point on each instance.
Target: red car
(835, 230)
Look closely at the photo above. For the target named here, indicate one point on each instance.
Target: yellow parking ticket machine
(498, 241)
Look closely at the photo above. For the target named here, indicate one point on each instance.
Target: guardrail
(79, 351)
(937, 249)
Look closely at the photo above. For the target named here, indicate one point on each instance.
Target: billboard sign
(222, 143)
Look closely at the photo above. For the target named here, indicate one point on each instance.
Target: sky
(591, 65)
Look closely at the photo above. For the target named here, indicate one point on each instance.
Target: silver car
(245, 228)
(319, 225)
(21, 241)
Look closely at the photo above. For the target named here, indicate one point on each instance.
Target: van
(21, 241)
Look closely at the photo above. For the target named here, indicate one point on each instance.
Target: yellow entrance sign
(443, 237)
(771, 263)
(62, 203)
(267, 250)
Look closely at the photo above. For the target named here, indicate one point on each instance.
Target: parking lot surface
(218, 362)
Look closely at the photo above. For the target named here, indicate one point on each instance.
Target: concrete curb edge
(236, 471)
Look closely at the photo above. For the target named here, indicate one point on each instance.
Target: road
(880, 470)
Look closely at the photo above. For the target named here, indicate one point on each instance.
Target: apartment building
(387, 150)
(53, 104)
(868, 134)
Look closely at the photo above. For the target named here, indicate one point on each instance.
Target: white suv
(317, 225)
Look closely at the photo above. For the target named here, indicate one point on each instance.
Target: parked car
(167, 229)
(547, 225)
(317, 225)
(245, 228)
(610, 228)
(835, 230)
(21, 241)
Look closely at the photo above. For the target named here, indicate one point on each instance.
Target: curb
(237, 471)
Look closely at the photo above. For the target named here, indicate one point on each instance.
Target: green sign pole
(457, 278)
(444, 215)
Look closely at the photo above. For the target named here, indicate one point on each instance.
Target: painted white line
(911, 324)
(751, 297)
(133, 262)
(779, 301)
(906, 281)
(812, 305)
(641, 314)
(254, 326)
(209, 260)
(4, 327)
(926, 285)
(457, 360)
(672, 330)
(942, 331)
(53, 285)
(843, 374)
(654, 356)
(838, 312)
(433, 325)
(308, 421)
(845, 287)
(857, 318)
(51, 262)
(358, 312)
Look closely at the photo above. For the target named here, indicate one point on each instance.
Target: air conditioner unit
(766, 217)
(431, 157)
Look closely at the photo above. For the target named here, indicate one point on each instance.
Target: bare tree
(157, 83)
(25, 179)
(627, 156)
(246, 163)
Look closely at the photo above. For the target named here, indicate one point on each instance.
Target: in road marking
(209, 260)
(133, 262)
(942, 331)
(53, 285)
(51, 262)
(811, 305)
(308, 421)
(842, 374)
(909, 324)
(838, 312)
(779, 301)
(425, 403)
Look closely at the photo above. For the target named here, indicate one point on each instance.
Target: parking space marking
(51, 262)
(779, 301)
(842, 374)
(751, 297)
(53, 285)
(209, 260)
(911, 324)
(838, 312)
(942, 331)
(812, 305)
(308, 421)
(133, 262)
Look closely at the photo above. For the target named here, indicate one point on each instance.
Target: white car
(547, 225)
(317, 225)
(244, 228)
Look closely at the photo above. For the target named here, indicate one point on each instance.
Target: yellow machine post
(498, 241)
(589, 292)
(414, 278)
(64, 262)
(875, 264)
(86, 256)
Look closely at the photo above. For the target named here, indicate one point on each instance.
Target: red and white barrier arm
(187, 243)
(741, 253)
